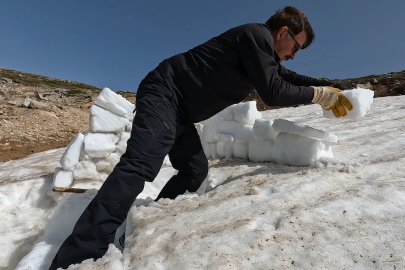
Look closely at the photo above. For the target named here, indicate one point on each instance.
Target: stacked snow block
(228, 133)
(300, 145)
(91, 157)
(236, 132)
(239, 132)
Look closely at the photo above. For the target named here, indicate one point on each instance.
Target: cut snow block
(261, 151)
(247, 113)
(108, 164)
(99, 145)
(102, 120)
(296, 150)
(228, 113)
(281, 125)
(115, 103)
(213, 150)
(213, 121)
(229, 127)
(122, 143)
(208, 134)
(71, 156)
(85, 170)
(62, 178)
(221, 137)
(241, 150)
(263, 129)
(224, 149)
(199, 127)
(245, 134)
(360, 98)
(206, 148)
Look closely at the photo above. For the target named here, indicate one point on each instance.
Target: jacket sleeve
(256, 48)
(297, 79)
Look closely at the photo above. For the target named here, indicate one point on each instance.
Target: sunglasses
(297, 45)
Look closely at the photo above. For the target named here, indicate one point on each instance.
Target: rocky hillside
(38, 113)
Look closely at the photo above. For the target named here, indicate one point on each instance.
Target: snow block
(122, 143)
(296, 150)
(213, 150)
(213, 121)
(247, 113)
(71, 156)
(99, 145)
(85, 170)
(360, 98)
(241, 150)
(229, 127)
(108, 164)
(245, 134)
(208, 134)
(115, 103)
(228, 113)
(224, 149)
(221, 137)
(102, 120)
(206, 149)
(263, 129)
(281, 125)
(62, 178)
(261, 151)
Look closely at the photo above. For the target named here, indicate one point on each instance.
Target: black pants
(157, 130)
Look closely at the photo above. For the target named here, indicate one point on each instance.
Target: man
(186, 89)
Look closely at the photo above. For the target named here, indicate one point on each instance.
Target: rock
(38, 105)
(40, 95)
(26, 103)
(61, 90)
(365, 85)
(374, 80)
(7, 80)
(17, 102)
(1, 113)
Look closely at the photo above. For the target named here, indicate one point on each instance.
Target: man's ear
(281, 31)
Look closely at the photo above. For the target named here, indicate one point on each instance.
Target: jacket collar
(276, 57)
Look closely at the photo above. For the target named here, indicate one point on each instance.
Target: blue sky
(116, 43)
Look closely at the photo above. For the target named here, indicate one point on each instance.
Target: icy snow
(341, 213)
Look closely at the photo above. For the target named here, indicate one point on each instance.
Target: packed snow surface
(341, 213)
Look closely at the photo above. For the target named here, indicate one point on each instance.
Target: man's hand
(331, 99)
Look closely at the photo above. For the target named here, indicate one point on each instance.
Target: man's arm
(297, 79)
(257, 53)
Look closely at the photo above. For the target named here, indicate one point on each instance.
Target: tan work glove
(331, 99)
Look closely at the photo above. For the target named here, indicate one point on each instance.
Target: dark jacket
(225, 69)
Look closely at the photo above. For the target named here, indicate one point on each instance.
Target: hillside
(39, 113)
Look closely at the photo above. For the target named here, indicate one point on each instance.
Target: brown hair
(295, 20)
